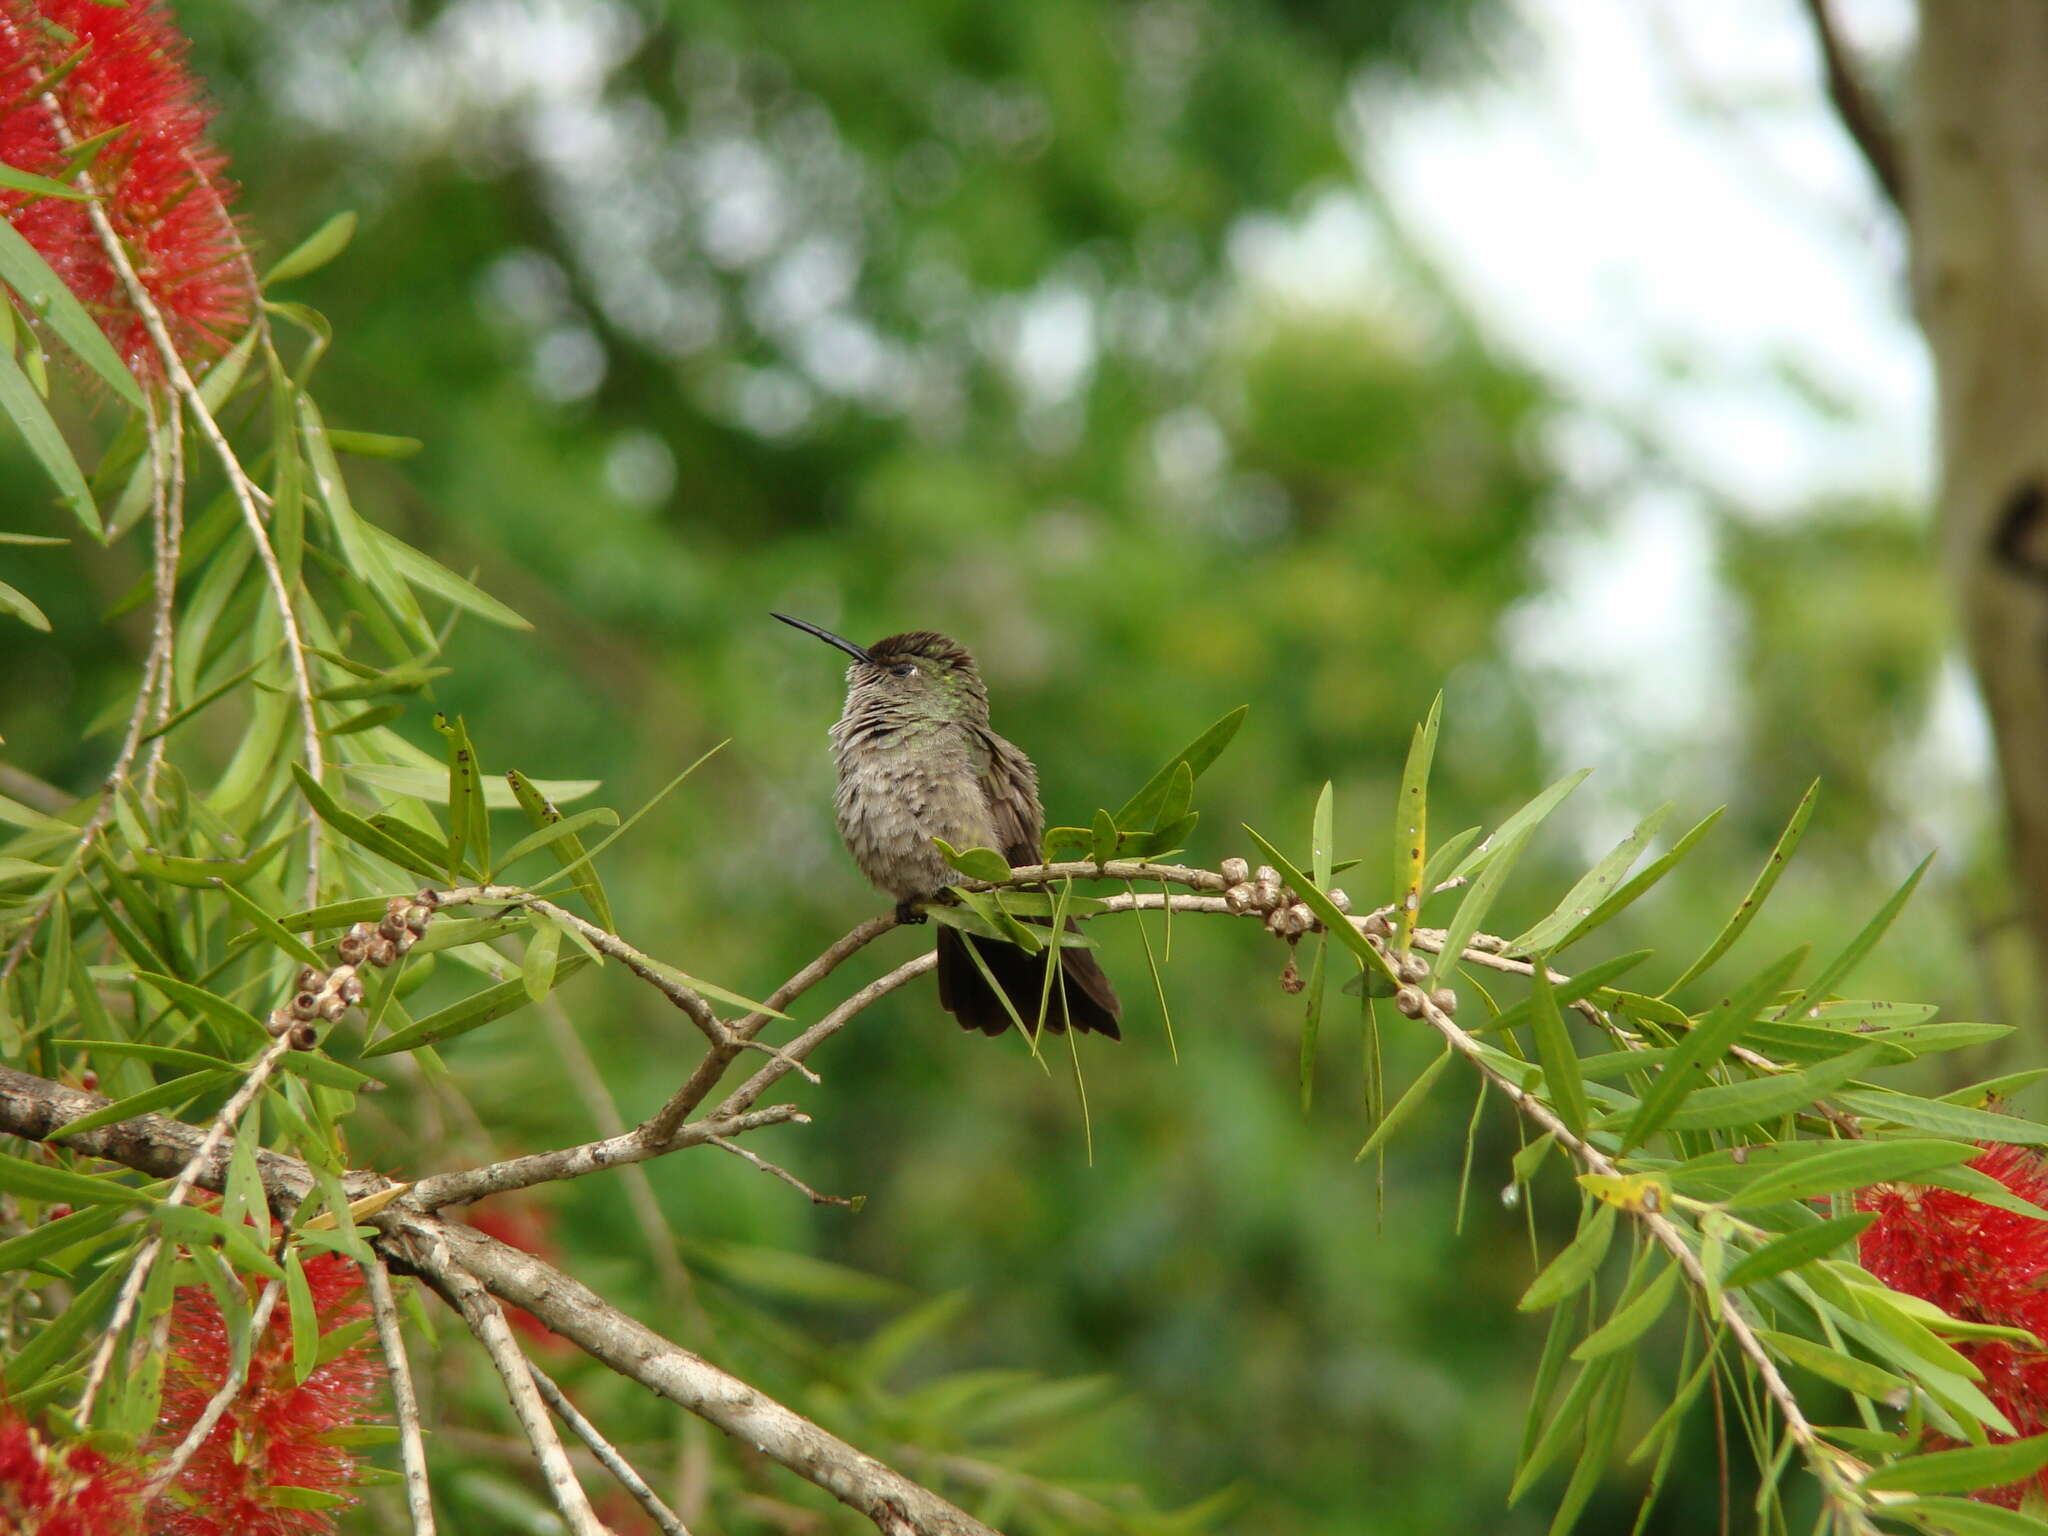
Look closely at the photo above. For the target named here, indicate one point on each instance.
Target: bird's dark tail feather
(1082, 995)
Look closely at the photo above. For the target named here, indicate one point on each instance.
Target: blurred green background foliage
(923, 313)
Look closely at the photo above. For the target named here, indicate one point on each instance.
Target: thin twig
(240, 485)
(199, 1165)
(167, 458)
(608, 1455)
(1862, 118)
(784, 1174)
(590, 1157)
(231, 1387)
(412, 1449)
(486, 1319)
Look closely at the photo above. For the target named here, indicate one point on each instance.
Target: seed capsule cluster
(1409, 998)
(1287, 915)
(324, 996)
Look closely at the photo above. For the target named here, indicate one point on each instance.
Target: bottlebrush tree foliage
(213, 967)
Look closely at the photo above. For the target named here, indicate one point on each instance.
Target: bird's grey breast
(903, 782)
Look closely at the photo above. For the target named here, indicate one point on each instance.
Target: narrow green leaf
(45, 296)
(313, 253)
(1476, 903)
(431, 577)
(1312, 1021)
(1851, 1166)
(38, 186)
(39, 430)
(582, 861)
(431, 784)
(538, 970)
(550, 835)
(1142, 809)
(1859, 1376)
(270, 928)
(1444, 858)
(40, 1181)
(1180, 797)
(1593, 889)
(1554, 1048)
(86, 1312)
(1946, 1119)
(1571, 1414)
(473, 1012)
(53, 1237)
(1571, 990)
(975, 863)
(1766, 1098)
(1411, 827)
(17, 602)
(1705, 1043)
(365, 720)
(1104, 838)
(359, 831)
(1574, 1264)
(1405, 1107)
(363, 554)
(1795, 1248)
(305, 1320)
(240, 1024)
(469, 824)
(1323, 836)
(1523, 822)
(373, 445)
(1760, 888)
(178, 1091)
(1601, 1427)
(1965, 1517)
(1632, 1320)
(567, 846)
(1967, 1470)
(1857, 947)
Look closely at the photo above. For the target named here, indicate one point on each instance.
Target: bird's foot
(910, 912)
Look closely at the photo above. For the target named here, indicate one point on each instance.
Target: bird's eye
(903, 671)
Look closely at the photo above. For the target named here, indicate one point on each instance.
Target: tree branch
(1862, 118)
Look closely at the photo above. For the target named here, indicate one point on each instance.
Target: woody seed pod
(351, 991)
(1235, 871)
(1339, 900)
(1408, 1002)
(1445, 999)
(1413, 968)
(304, 1037)
(304, 1004)
(383, 952)
(1240, 897)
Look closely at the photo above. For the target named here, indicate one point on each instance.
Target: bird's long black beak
(827, 636)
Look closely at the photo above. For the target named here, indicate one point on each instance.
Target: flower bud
(1235, 871)
(1408, 1001)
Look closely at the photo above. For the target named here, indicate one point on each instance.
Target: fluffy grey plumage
(917, 760)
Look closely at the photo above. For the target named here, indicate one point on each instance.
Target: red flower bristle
(1980, 1264)
(60, 1490)
(273, 1433)
(71, 70)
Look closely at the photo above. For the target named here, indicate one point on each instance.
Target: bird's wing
(1010, 785)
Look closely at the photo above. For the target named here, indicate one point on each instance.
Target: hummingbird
(917, 760)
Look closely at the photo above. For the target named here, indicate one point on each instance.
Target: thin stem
(608, 1455)
(231, 1387)
(412, 1450)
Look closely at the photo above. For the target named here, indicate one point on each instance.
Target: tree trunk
(1977, 183)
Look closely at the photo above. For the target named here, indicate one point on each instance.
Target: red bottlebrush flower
(62, 1490)
(1981, 1264)
(529, 1228)
(273, 1434)
(72, 70)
